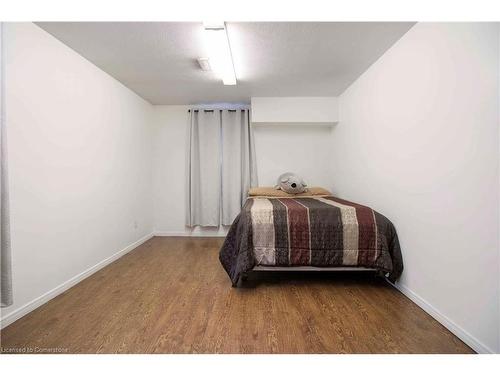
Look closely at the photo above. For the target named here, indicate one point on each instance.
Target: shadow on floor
(346, 278)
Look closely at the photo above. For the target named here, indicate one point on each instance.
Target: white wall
(294, 109)
(80, 165)
(303, 149)
(279, 148)
(418, 141)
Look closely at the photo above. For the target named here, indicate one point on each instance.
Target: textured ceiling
(157, 60)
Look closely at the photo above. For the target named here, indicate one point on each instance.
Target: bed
(311, 231)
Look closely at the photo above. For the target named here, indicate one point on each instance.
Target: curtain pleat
(238, 162)
(5, 251)
(204, 169)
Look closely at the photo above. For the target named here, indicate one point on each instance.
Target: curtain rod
(218, 107)
(212, 110)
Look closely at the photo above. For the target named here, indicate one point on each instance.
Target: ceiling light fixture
(204, 64)
(219, 51)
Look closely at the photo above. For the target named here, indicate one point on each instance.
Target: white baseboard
(11, 317)
(188, 234)
(454, 328)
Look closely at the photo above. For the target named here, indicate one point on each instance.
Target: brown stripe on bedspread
(299, 232)
(281, 245)
(367, 227)
(326, 224)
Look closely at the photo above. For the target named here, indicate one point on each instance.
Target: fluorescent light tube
(220, 53)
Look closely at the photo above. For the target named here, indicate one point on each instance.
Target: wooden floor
(171, 295)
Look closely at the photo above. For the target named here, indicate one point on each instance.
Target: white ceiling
(157, 60)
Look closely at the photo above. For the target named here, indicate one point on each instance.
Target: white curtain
(239, 170)
(5, 255)
(221, 165)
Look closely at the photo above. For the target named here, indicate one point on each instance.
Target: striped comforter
(310, 231)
